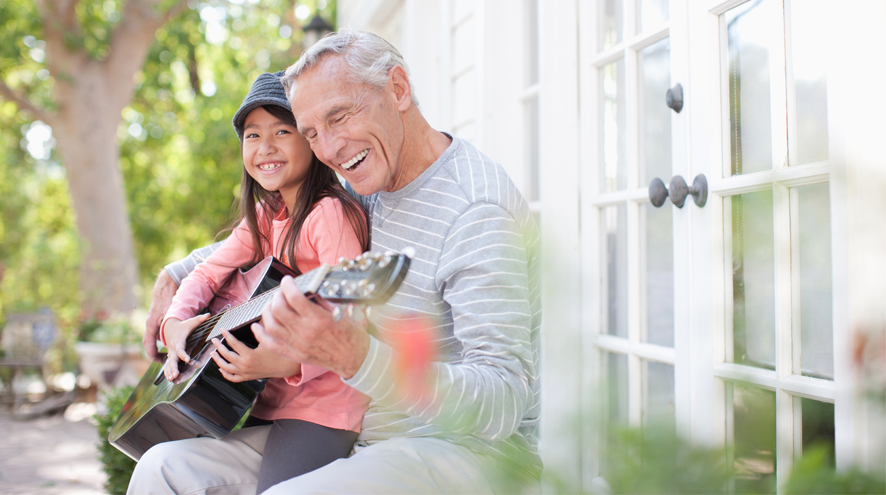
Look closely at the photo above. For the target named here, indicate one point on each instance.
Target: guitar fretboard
(251, 310)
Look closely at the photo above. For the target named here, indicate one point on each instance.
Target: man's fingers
(293, 296)
(150, 344)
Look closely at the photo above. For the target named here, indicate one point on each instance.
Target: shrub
(117, 465)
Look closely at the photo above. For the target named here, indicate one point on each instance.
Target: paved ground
(50, 455)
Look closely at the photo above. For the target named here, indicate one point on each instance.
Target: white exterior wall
(467, 63)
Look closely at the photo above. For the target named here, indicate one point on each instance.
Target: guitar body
(201, 402)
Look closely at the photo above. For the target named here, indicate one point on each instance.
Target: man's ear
(398, 82)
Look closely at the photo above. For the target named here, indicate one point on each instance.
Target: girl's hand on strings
(176, 333)
(241, 363)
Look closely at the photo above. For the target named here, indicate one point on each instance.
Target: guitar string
(251, 309)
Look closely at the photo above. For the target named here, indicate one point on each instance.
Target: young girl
(294, 208)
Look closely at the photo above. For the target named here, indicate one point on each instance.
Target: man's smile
(353, 162)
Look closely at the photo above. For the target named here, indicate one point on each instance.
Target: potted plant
(110, 352)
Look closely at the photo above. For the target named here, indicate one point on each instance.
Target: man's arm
(488, 276)
(164, 289)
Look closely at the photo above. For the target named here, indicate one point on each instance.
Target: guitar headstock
(370, 278)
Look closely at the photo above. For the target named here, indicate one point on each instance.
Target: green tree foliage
(178, 151)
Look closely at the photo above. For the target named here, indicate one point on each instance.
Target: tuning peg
(409, 251)
(364, 264)
(336, 313)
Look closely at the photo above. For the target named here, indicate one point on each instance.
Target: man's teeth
(353, 161)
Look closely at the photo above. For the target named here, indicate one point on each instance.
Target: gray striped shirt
(475, 276)
(179, 270)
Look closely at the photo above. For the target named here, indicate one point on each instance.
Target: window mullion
(784, 432)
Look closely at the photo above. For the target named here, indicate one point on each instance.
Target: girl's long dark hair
(320, 183)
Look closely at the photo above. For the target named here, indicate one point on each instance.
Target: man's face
(353, 128)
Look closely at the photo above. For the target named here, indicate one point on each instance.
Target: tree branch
(175, 10)
(59, 17)
(25, 104)
(137, 27)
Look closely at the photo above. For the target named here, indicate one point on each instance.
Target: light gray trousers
(396, 466)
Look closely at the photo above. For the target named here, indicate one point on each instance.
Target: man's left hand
(164, 290)
(305, 332)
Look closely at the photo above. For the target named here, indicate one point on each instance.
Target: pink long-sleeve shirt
(316, 394)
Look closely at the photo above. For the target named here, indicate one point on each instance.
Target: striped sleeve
(178, 270)
(482, 274)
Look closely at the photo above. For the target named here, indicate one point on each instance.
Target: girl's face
(275, 155)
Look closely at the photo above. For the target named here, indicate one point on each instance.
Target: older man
(468, 420)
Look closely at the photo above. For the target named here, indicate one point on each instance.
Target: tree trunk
(91, 95)
(87, 139)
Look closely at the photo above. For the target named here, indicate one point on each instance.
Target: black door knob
(679, 190)
(658, 193)
(674, 98)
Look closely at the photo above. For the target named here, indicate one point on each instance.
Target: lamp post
(315, 30)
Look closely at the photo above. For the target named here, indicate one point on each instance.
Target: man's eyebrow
(333, 111)
(326, 116)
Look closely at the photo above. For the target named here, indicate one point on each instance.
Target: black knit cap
(266, 90)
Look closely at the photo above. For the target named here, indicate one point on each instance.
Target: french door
(769, 219)
(715, 317)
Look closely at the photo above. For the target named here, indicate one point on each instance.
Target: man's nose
(328, 146)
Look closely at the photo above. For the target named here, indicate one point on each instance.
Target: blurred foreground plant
(117, 465)
(813, 475)
(656, 460)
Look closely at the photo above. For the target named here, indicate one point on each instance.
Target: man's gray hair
(369, 59)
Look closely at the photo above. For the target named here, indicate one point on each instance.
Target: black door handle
(678, 190)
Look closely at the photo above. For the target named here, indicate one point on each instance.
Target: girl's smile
(275, 155)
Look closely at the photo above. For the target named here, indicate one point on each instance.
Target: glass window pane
(617, 380)
(615, 285)
(659, 253)
(614, 149)
(818, 429)
(749, 102)
(754, 437)
(652, 13)
(655, 116)
(658, 394)
(613, 23)
(753, 279)
(616, 369)
(810, 79)
(812, 216)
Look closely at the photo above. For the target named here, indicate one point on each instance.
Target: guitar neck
(251, 309)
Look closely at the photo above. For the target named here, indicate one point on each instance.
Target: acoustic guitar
(201, 402)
